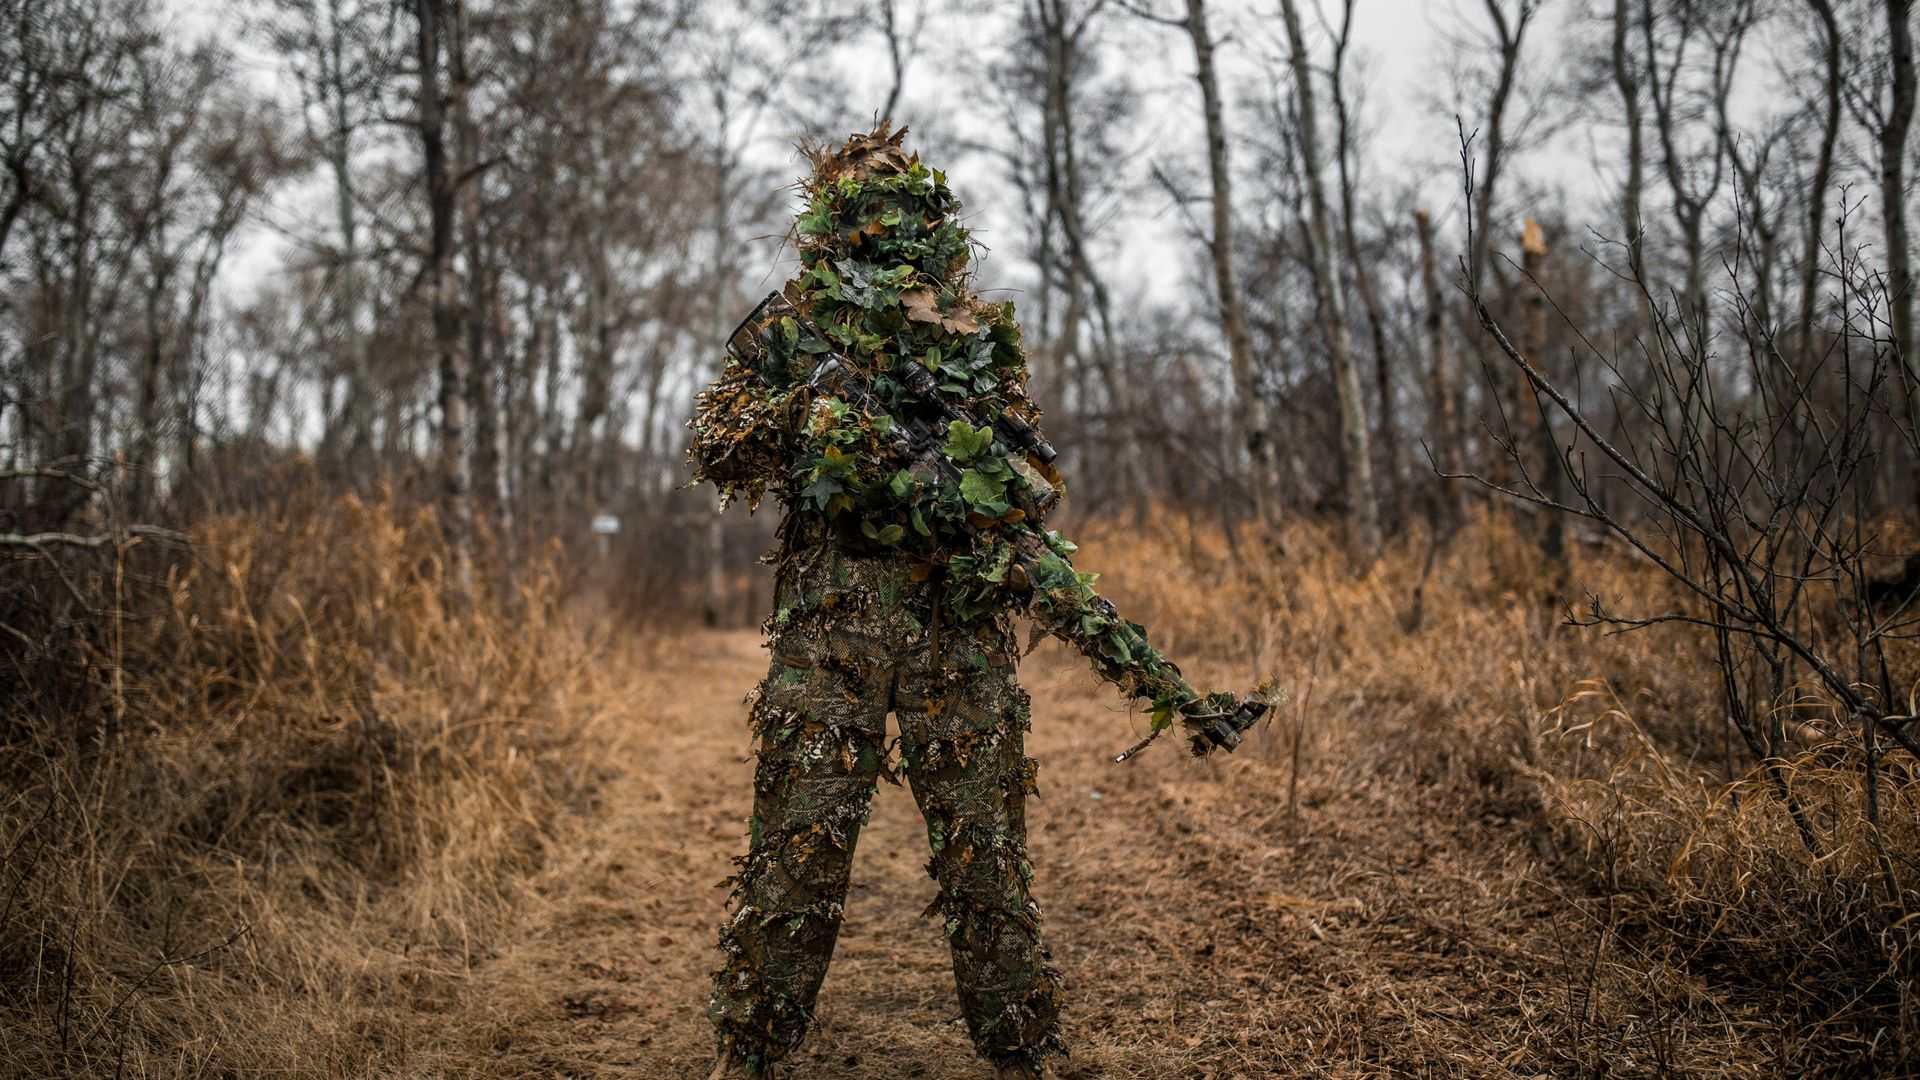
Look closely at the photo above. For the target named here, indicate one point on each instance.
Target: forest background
(347, 351)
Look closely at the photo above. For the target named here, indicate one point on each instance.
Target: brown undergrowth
(279, 795)
(1680, 919)
(301, 815)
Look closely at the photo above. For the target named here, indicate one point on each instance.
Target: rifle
(1214, 719)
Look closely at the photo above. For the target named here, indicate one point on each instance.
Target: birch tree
(443, 290)
(1355, 456)
(1347, 157)
(1256, 424)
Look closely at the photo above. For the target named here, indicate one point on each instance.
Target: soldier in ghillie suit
(883, 404)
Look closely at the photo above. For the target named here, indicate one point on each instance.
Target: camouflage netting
(855, 637)
(885, 284)
(884, 405)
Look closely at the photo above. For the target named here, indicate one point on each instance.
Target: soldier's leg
(820, 735)
(962, 724)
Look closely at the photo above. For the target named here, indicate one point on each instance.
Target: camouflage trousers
(853, 637)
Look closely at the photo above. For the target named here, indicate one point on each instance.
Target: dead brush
(1675, 878)
(1444, 648)
(1711, 878)
(294, 794)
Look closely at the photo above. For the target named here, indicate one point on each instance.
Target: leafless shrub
(1750, 477)
(268, 755)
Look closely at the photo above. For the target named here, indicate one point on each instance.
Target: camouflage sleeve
(1063, 603)
(742, 434)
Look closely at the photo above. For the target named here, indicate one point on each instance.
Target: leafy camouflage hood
(885, 281)
(885, 287)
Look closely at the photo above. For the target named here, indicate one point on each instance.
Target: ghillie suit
(884, 405)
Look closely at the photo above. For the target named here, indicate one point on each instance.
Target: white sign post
(606, 527)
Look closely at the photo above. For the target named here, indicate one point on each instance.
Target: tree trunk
(1893, 197)
(1811, 254)
(484, 462)
(1552, 535)
(361, 461)
(1450, 440)
(1508, 37)
(189, 359)
(78, 356)
(1254, 420)
(444, 294)
(1084, 287)
(890, 25)
(1345, 155)
(1362, 507)
(153, 366)
(1633, 192)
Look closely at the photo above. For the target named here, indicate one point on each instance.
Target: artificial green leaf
(978, 488)
(820, 491)
(965, 443)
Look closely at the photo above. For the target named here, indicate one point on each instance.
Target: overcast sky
(1403, 58)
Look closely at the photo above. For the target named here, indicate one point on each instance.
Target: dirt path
(1206, 929)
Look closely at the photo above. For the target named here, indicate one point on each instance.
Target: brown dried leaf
(922, 307)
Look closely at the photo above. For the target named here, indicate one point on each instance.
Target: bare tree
(1509, 38)
(599, 175)
(1063, 32)
(903, 44)
(1763, 201)
(1832, 91)
(1360, 265)
(1893, 138)
(1772, 549)
(340, 58)
(1694, 173)
(1626, 69)
(1060, 104)
(213, 154)
(744, 79)
(483, 468)
(79, 70)
(1533, 416)
(443, 289)
(1448, 437)
(1255, 423)
(1356, 459)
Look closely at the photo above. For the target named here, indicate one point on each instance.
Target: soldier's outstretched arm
(1063, 603)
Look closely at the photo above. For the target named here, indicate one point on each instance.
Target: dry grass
(287, 805)
(1694, 880)
(1675, 919)
(1475, 842)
